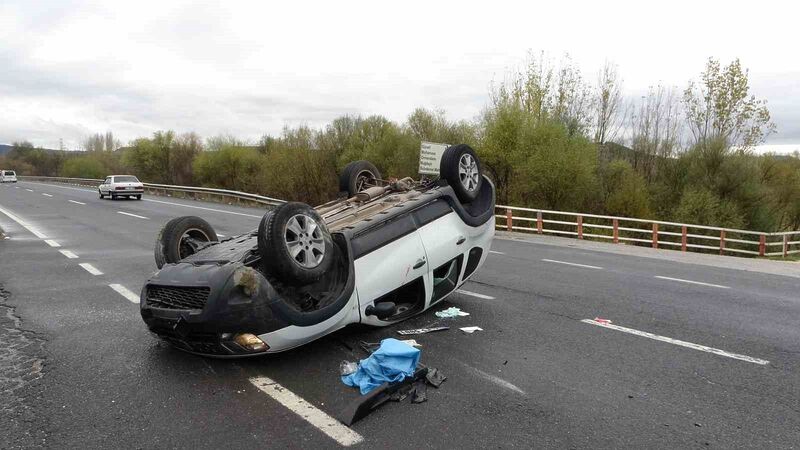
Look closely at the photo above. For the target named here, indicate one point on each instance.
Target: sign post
(430, 156)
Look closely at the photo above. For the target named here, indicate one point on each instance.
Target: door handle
(461, 240)
(420, 262)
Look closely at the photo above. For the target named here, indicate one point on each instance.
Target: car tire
(138, 197)
(295, 245)
(357, 176)
(112, 196)
(461, 168)
(101, 194)
(180, 237)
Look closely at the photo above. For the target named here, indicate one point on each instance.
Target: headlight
(251, 342)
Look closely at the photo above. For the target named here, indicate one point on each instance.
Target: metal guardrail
(153, 188)
(655, 233)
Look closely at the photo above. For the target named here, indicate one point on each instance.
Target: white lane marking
(125, 292)
(29, 190)
(133, 215)
(76, 202)
(572, 264)
(475, 294)
(692, 282)
(322, 421)
(201, 207)
(496, 253)
(163, 202)
(23, 224)
(52, 243)
(46, 195)
(656, 337)
(220, 235)
(90, 268)
(68, 254)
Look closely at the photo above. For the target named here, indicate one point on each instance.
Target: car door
(388, 258)
(106, 186)
(445, 244)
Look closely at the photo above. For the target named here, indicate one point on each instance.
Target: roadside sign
(430, 155)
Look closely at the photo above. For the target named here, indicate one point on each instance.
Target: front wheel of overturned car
(295, 245)
(462, 171)
(182, 237)
(357, 176)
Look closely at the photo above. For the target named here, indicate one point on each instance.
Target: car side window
(108, 181)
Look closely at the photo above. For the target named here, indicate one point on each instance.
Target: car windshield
(126, 179)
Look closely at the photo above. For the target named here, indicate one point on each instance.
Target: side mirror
(382, 310)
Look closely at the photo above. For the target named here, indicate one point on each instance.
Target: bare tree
(655, 128)
(607, 103)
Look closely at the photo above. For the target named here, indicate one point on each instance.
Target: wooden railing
(653, 233)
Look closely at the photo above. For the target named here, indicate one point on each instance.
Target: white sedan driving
(116, 186)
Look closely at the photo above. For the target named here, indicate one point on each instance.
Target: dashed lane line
(475, 294)
(77, 202)
(125, 292)
(46, 195)
(133, 215)
(585, 266)
(68, 254)
(29, 190)
(496, 252)
(310, 413)
(23, 224)
(680, 280)
(702, 348)
(52, 243)
(90, 268)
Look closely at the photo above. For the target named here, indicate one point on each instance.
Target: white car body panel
(8, 176)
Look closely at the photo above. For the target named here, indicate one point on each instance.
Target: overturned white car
(385, 251)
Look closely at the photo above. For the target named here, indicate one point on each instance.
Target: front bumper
(199, 308)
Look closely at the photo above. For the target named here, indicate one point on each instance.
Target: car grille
(177, 297)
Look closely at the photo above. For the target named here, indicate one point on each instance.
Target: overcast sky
(71, 68)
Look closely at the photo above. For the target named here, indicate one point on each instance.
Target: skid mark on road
(700, 283)
(494, 379)
(475, 294)
(585, 266)
(316, 417)
(702, 348)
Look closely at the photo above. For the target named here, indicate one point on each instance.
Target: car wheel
(101, 194)
(182, 237)
(113, 197)
(357, 176)
(295, 245)
(461, 169)
(138, 197)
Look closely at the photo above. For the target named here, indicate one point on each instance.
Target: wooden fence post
(616, 231)
(762, 245)
(683, 238)
(785, 245)
(580, 226)
(655, 235)
(539, 223)
(722, 242)
(509, 219)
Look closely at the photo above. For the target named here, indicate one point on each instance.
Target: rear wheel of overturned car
(357, 176)
(462, 171)
(295, 245)
(182, 237)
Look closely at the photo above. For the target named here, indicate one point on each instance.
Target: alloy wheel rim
(468, 172)
(304, 241)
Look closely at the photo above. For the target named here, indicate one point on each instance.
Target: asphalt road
(693, 365)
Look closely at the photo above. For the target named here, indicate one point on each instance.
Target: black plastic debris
(421, 330)
(435, 377)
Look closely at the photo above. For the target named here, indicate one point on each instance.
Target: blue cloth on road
(391, 362)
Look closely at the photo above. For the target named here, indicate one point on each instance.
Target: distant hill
(4, 148)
